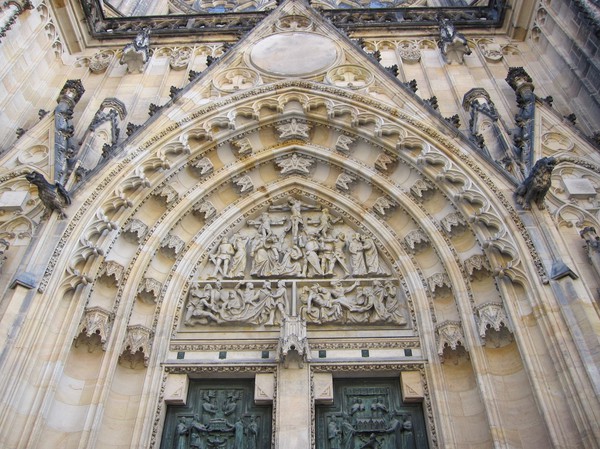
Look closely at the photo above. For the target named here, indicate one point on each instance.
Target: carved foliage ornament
(95, 321)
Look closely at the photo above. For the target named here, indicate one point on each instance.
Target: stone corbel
(293, 343)
(453, 223)
(383, 204)
(96, 321)
(491, 316)
(477, 263)
(243, 146)
(204, 207)
(412, 386)
(264, 388)
(137, 345)
(438, 281)
(171, 245)
(110, 268)
(416, 239)
(323, 388)
(449, 338)
(203, 166)
(176, 389)
(168, 193)
(149, 290)
(136, 228)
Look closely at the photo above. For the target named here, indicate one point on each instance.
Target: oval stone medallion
(294, 54)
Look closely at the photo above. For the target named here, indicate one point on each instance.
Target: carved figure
(181, 431)
(252, 434)
(371, 256)
(53, 197)
(333, 434)
(238, 261)
(278, 301)
(222, 258)
(202, 304)
(313, 262)
(263, 224)
(136, 54)
(325, 223)
(357, 259)
(339, 256)
(535, 187)
(453, 44)
(196, 427)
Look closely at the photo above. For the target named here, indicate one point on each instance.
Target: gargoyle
(53, 197)
(537, 184)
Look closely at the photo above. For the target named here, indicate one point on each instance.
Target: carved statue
(537, 184)
(452, 44)
(53, 197)
(238, 261)
(136, 54)
(222, 258)
(357, 259)
(181, 431)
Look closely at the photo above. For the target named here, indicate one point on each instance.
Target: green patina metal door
(370, 414)
(220, 414)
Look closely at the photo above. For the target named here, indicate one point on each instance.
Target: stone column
(293, 416)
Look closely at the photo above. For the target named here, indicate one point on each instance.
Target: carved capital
(137, 228)
(206, 208)
(416, 239)
(477, 263)
(453, 222)
(149, 289)
(110, 268)
(491, 316)
(172, 245)
(438, 280)
(449, 337)
(293, 343)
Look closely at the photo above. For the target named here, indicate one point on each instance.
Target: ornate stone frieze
(416, 239)
(293, 130)
(137, 345)
(452, 44)
(293, 342)
(168, 193)
(535, 187)
(137, 228)
(449, 337)
(100, 61)
(96, 321)
(295, 164)
(477, 263)
(149, 290)
(420, 187)
(409, 52)
(491, 316)
(343, 143)
(180, 58)
(383, 204)
(350, 76)
(437, 281)
(205, 208)
(244, 184)
(172, 245)
(453, 223)
(243, 146)
(203, 165)
(110, 268)
(137, 53)
(344, 180)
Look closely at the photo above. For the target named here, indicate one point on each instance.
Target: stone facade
(329, 232)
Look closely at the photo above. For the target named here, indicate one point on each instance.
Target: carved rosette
(96, 321)
(449, 337)
(149, 290)
(137, 344)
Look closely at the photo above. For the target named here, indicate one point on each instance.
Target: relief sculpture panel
(295, 258)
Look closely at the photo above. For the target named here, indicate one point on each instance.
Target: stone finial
(293, 343)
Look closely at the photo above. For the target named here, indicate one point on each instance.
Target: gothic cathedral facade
(299, 224)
